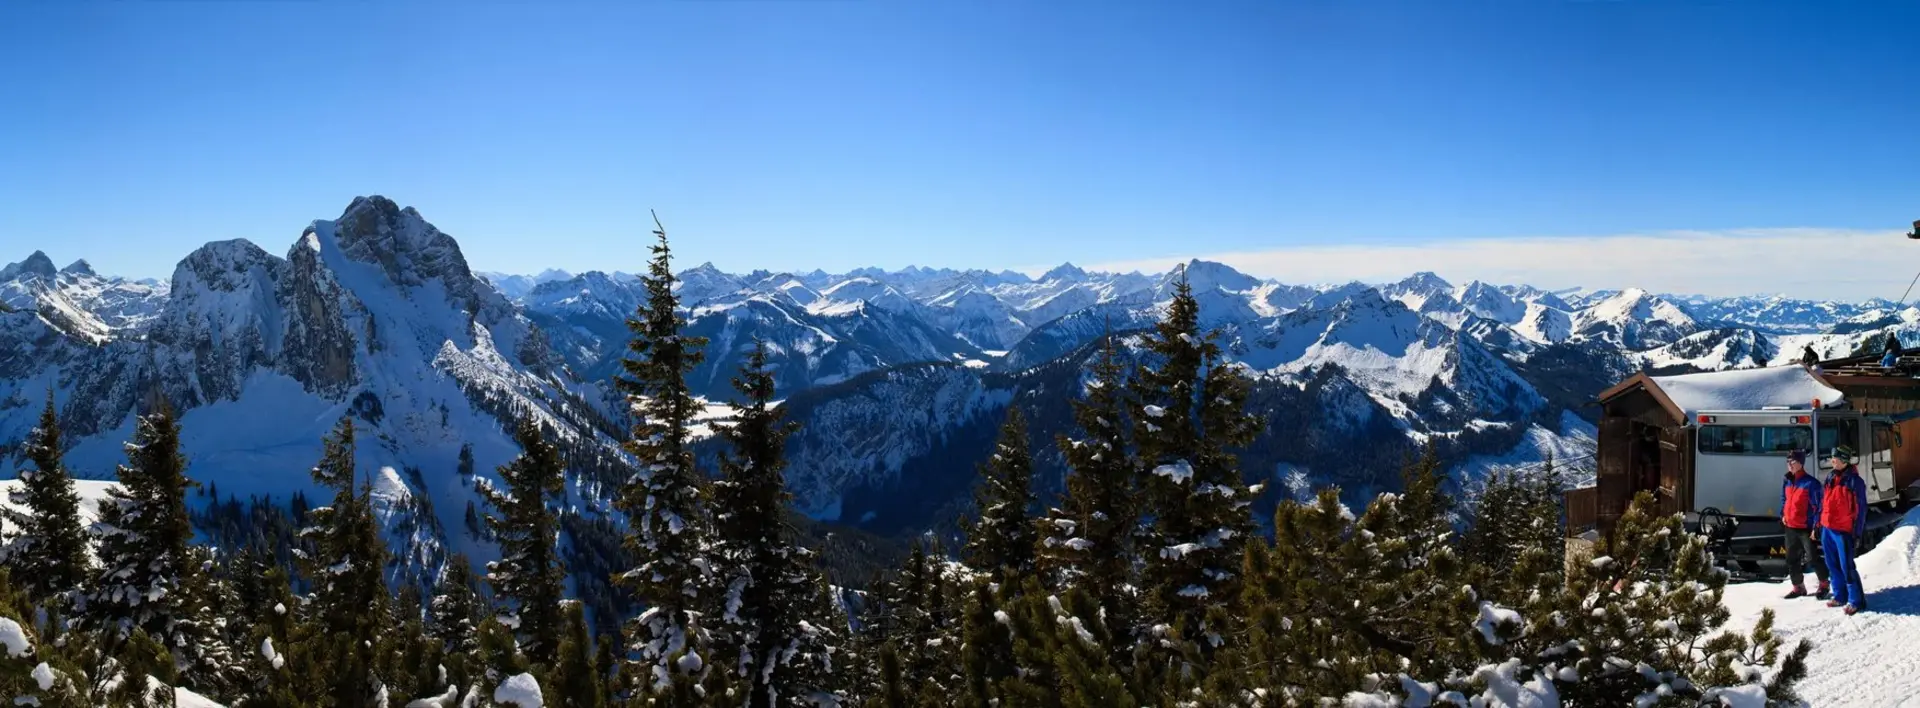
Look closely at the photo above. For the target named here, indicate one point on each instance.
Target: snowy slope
(1545, 324)
(1421, 290)
(1712, 350)
(1570, 445)
(1864, 660)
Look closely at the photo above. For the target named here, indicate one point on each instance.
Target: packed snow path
(1870, 659)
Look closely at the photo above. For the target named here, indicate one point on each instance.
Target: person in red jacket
(1800, 513)
(1843, 518)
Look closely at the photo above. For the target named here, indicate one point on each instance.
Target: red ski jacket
(1800, 501)
(1843, 507)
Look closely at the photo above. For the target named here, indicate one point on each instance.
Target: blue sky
(816, 133)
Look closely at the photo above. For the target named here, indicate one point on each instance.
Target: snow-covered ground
(91, 492)
(1870, 659)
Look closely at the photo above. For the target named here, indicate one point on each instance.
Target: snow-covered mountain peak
(407, 249)
(1204, 276)
(1332, 296)
(1637, 304)
(1425, 282)
(1066, 272)
(704, 284)
(1490, 302)
(1635, 319)
(79, 267)
(221, 266)
(1423, 292)
(36, 263)
(1545, 324)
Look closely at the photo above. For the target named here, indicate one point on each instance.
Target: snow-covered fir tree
(671, 531)
(1190, 414)
(497, 659)
(1515, 512)
(454, 613)
(1088, 541)
(46, 541)
(33, 670)
(911, 629)
(346, 569)
(1000, 543)
(772, 634)
(528, 580)
(147, 580)
(1064, 653)
(987, 645)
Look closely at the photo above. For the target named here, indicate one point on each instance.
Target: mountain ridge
(898, 374)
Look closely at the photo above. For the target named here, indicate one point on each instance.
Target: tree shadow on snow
(1895, 601)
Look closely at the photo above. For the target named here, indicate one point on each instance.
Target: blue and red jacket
(1800, 501)
(1843, 505)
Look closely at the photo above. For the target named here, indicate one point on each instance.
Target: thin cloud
(1807, 263)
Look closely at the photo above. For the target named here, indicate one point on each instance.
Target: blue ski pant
(1838, 548)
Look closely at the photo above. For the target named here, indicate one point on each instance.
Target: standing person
(1843, 518)
(1800, 513)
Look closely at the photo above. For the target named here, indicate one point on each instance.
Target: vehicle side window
(1882, 443)
(1742, 440)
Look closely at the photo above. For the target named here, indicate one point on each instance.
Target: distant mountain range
(899, 377)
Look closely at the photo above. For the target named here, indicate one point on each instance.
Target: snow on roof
(1747, 389)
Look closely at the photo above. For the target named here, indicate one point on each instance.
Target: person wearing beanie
(1843, 518)
(1800, 513)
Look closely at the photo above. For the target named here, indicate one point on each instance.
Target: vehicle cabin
(1715, 444)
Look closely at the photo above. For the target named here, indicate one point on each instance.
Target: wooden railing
(1583, 509)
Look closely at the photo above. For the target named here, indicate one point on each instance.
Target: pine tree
(411, 660)
(665, 501)
(1516, 512)
(1406, 594)
(574, 682)
(1191, 415)
(528, 579)
(911, 626)
(46, 548)
(1001, 543)
(455, 611)
(986, 650)
(204, 654)
(285, 667)
(774, 639)
(347, 569)
(26, 657)
(497, 658)
(146, 580)
(1088, 541)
